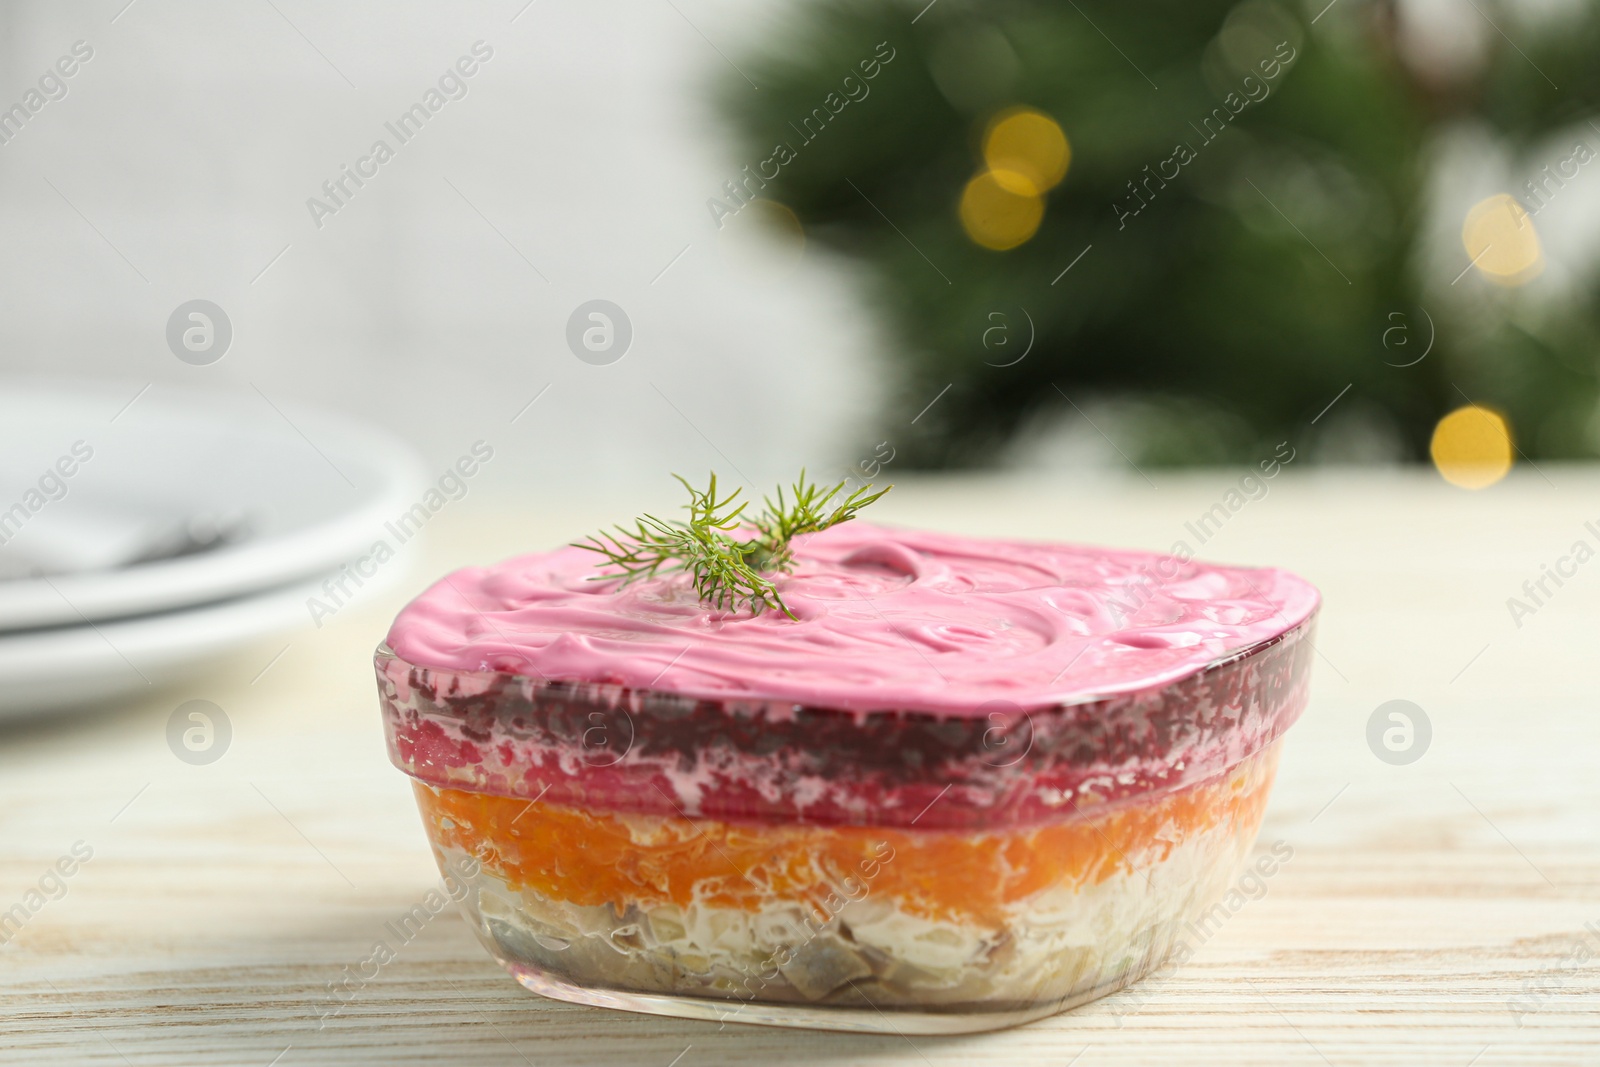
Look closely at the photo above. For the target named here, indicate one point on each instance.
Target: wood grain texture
(1420, 901)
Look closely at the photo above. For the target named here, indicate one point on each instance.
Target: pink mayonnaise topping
(888, 619)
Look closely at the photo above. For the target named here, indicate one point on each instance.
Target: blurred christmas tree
(1210, 218)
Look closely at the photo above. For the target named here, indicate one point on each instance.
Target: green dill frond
(729, 572)
(783, 521)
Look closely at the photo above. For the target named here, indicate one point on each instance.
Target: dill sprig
(729, 571)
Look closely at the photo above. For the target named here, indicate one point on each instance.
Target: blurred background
(574, 164)
(1273, 203)
(1015, 234)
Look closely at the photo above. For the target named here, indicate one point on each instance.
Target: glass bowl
(768, 862)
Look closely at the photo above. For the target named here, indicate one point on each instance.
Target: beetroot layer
(627, 750)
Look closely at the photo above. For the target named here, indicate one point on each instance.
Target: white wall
(194, 136)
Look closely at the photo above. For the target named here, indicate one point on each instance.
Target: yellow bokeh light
(1501, 241)
(1472, 447)
(999, 210)
(763, 234)
(1029, 147)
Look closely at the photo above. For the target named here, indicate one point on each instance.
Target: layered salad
(953, 784)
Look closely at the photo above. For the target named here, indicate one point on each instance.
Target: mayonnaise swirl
(888, 619)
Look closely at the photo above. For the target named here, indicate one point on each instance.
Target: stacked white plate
(145, 533)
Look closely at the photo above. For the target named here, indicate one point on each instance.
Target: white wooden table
(222, 900)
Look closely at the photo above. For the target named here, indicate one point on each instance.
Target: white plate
(312, 489)
(47, 670)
